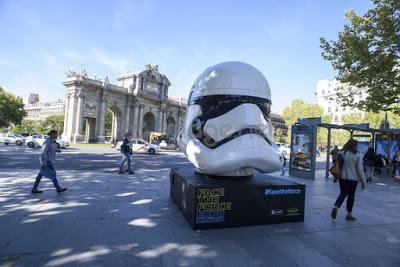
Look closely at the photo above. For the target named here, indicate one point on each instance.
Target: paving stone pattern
(106, 219)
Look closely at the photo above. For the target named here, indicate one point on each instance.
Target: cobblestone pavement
(106, 219)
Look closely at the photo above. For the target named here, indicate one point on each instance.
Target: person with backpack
(369, 163)
(126, 151)
(351, 173)
(284, 164)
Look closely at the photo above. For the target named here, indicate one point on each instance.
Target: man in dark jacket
(47, 158)
(126, 150)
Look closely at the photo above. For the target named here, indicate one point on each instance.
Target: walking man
(126, 150)
(47, 158)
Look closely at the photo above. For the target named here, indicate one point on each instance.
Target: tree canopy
(367, 56)
(300, 109)
(374, 119)
(11, 109)
(55, 122)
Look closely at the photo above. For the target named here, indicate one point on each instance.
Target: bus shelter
(306, 129)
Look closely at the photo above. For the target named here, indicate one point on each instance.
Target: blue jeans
(48, 172)
(125, 157)
(347, 189)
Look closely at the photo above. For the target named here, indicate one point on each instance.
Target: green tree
(367, 55)
(300, 109)
(108, 122)
(278, 135)
(26, 127)
(11, 109)
(53, 123)
(374, 119)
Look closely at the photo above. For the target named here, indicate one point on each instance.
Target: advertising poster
(382, 144)
(301, 152)
(362, 146)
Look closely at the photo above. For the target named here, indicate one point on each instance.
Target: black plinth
(229, 202)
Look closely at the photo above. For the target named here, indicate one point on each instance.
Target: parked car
(107, 139)
(284, 149)
(38, 140)
(141, 146)
(11, 138)
(62, 143)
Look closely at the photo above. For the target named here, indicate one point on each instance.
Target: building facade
(279, 123)
(37, 111)
(139, 104)
(326, 97)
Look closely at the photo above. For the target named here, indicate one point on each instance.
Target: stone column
(159, 121)
(66, 108)
(127, 118)
(164, 127)
(78, 119)
(140, 122)
(178, 123)
(102, 115)
(137, 87)
(135, 132)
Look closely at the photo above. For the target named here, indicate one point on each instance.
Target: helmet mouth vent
(209, 142)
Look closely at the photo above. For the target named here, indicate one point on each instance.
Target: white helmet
(228, 129)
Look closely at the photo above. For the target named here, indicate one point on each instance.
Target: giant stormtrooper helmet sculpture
(228, 129)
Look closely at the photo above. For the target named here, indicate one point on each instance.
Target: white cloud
(135, 11)
(114, 63)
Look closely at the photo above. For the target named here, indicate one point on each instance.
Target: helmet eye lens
(213, 106)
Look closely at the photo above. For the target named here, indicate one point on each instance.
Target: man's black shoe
(61, 190)
(36, 191)
(131, 172)
(120, 172)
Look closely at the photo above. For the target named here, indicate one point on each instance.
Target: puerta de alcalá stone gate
(139, 104)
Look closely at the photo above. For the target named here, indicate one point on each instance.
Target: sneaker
(350, 218)
(61, 190)
(36, 191)
(333, 213)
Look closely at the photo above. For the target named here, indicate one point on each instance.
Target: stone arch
(115, 130)
(171, 125)
(149, 124)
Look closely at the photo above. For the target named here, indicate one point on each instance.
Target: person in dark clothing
(352, 172)
(369, 163)
(284, 164)
(126, 150)
(47, 158)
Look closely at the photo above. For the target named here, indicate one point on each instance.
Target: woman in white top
(352, 172)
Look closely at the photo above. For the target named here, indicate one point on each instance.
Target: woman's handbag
(335, 171)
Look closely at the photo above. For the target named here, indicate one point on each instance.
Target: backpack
(125, 147)
(380, 161)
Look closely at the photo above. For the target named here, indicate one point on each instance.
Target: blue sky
(40, 40)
